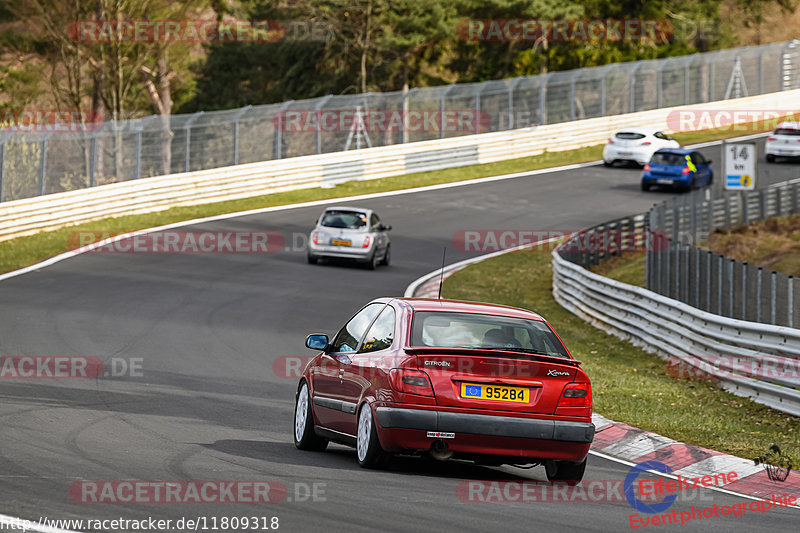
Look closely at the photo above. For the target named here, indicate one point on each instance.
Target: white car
(350, 233)
(637, 145)
(784, 141)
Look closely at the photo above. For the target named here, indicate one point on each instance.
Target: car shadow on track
(344, 458)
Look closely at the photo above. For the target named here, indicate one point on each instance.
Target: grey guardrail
(749, 359)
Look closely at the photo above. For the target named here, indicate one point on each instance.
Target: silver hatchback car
(350, 233)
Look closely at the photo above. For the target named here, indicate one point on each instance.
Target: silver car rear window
(629, 135)
(344, 219)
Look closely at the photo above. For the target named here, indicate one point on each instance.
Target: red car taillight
(366, 242)
(576, 395)
(647, 167)
(773, 138)
(410, 381)
(610, 141)
(646, 143)
(685, 170)
(315, 238)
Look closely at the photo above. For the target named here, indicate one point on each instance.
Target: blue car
(677, 168)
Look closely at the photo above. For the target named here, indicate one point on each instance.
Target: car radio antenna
(441, 274)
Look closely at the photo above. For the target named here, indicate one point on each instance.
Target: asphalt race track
(205, 330)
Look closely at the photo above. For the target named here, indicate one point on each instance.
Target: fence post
(3, 140)
(603, 95)
(93, 158)
(719, 285)
(511, 87)
(744, 291)
(236, 117)
(731, 286)
(277, 149)
(441, 109)
(761, 73)
(709, 253)
(794, 198)
(762, 205)
(660, 83)
(696, 276)
(711, 80)
(543, 99)
(790, 298)
(677, 293)
(758, 294)
(632, 88)
(772, 298)
(188, 128)
(572, 95)
(140, 126)
(478, 91)
(43, 163)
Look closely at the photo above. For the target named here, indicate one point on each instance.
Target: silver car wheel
(364, 432)
(300, 413)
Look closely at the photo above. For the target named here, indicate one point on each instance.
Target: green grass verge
(23, 251)
(630, 385)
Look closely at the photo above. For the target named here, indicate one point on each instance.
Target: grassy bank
(630, 385)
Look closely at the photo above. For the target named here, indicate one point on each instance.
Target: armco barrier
(699, 339)
(24, 217)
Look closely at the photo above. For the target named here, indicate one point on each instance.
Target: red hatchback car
(482, 382)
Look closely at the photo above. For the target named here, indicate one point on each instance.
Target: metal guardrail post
(794, 198)
(790, 297)
(188, 128)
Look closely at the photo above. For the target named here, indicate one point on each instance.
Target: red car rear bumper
(408, 429)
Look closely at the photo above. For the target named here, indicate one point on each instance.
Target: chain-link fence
(712, 282)
(43, 162)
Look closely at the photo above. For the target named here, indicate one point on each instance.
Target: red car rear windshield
(479, 331)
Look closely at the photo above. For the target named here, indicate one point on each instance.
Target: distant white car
(350, 233)
(637, 145)
(784, 141)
